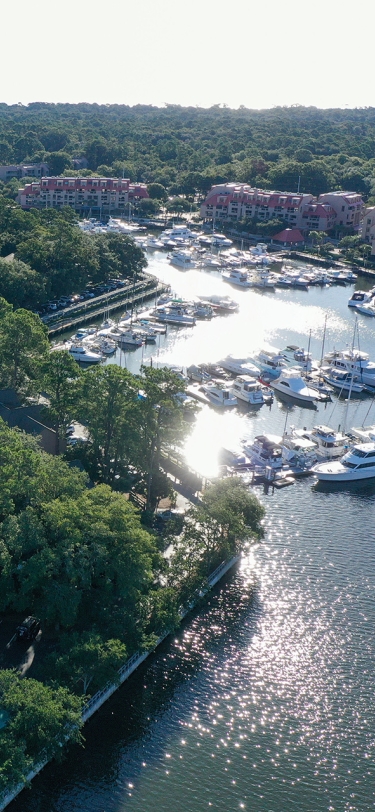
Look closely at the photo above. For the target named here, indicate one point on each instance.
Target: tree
(228, 517)
(40, 718)
(20, 285)
(159, 420)
(148, 206)
(108, 408)
(23, 343)
(59, 377)
(58, 161)
(87, 660)
(157, 191)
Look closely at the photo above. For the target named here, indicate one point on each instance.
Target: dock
(84, 312)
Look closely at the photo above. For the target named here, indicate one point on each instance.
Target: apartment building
(347, 205)
(236, 201)
(368, 228)
(95, 195)
(23, 171)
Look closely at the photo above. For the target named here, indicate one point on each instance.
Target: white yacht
(354, 361)
(329, 444)
(130, 338)
(182, 259)
(221, 241)
(271, 362)
(83, 355)
(266, 451)
(177, 233)
(174, 314)
(367, 309)
(248, 390)
(357, 463)
(236, 277)
(363, 434)
(343, 381)
(239, 366)
(299, 451)
(219, 395)
(291, 383)
(299, 356)
(221, 304)
(360, 297)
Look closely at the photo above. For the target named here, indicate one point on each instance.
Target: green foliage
(40, 718)
(59, 376)
(23, 344)
(21, 285)
(85, 661)
(228, 518)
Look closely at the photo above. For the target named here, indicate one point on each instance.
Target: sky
(256, 53)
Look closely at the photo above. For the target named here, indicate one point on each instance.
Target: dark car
(28, 629)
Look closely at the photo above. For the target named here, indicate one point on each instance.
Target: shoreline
(125, 672)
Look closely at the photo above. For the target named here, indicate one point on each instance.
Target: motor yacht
(363, 434)
(291, 383)
(266, 451)
(174, 314)
(177, 233)
(182, 259)
(202, 311)
(329, 444)
(221, 304)
(84, 355)
(354, 361)
(221, 241)
(298, 355)
(237, 277)
(271, 362)
(367, 309)
(219, 395)
(130, 338)
(239, 366)
(211, 261)
(357, 463)
(343, 381)
(360, 297)
(299, 452)
(248, 390)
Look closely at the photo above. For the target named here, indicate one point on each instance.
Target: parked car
(28, 629)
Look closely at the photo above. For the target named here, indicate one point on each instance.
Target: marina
(268, 687)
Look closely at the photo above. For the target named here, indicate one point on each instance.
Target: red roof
(289, 235)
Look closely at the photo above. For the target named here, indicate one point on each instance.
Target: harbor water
(263, 701)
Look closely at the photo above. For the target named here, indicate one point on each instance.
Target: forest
(74, 550)
(186, 150)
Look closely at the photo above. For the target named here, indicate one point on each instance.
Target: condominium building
(347, 205)
(368, 228)
(86, 195)
(23, 171)
(238, 200)
(234, 201)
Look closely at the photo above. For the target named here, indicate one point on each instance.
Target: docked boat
(221, 304)
(221, 241)
(271, 363)
(84, 355)
(130, 338)
(358, 463)
(174, 314)
(265, 451)
(299, 452)
(202, 311)
(298, 355)
(354, 361)
(246, 389)
(291, 383)
(239, 366)
(363, 434)
(181, 259)
(177, 233)
(343, 381)
(360, 297)
(330, 444)
(236, 277)
(367, 309)
(219, 395)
